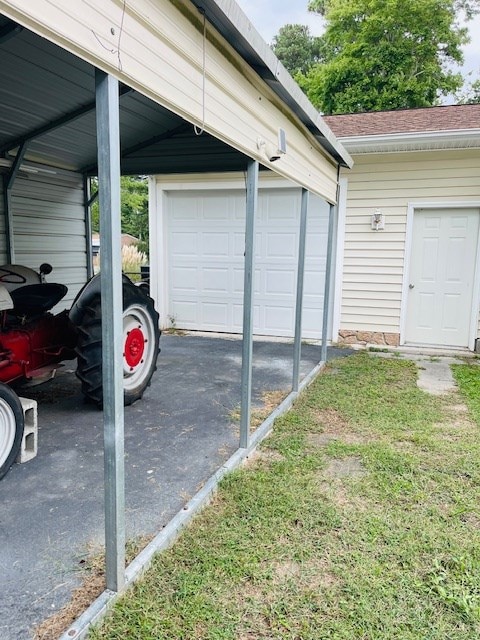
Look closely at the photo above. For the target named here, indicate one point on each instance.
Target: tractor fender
(86, 294)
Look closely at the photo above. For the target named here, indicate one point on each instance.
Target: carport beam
(328, 272)
(297, 345)
(247, 351)
(7, 201)
(108, 151)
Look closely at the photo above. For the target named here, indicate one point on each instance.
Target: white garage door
(206, 243)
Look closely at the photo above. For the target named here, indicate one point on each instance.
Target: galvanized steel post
(247, 351)
(87, 205)
(8, 183)
(108, 150)
(328, 273)
(297, 345)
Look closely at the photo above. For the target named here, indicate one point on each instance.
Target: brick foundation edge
(352, 336)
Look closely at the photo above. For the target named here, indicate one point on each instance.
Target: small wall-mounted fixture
(269, 151)
(378, 220)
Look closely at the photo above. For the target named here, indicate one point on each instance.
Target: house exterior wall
(160, 54)
(374, 261)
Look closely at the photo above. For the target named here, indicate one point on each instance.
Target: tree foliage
(387, 54)
(134, 208)
(470, 94)
(296, 48)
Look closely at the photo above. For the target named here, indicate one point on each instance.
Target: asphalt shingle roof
(446, 118)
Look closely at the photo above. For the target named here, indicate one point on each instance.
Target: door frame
(474, 312)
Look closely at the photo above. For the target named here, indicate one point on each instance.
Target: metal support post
(297, 345)
(8, 182)
(87, 205)
(246, 394)
(108, 150)
(328, 274)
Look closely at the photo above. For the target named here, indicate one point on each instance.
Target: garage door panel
(186, 209)
(238, 244)
(312, 320)
(187, 311)
(316, 245)
(281, 245)
(214, 314)
(218, 208)
(184, 279)
(280, 281)
(184, 243)
(237, 312)
(215, 280)
(215, 244)
(282, 205)
(205, 268)
(279, 318)
(238, 282)
(313, 283)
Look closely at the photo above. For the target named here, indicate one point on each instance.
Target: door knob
(410, 286)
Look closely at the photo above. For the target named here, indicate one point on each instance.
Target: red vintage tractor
(33, 341)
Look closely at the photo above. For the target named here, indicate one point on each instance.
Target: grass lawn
(358, 518)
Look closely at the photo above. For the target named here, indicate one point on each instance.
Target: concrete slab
(435, 376)
(51, 509)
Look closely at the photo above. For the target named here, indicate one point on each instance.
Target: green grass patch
(467, 377)
(358, 519)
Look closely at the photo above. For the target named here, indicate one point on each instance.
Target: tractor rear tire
(141, 335)
(11, 427)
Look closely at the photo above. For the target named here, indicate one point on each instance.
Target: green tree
(134, 208)
(387, 54)
(470, 94)
(296, 48)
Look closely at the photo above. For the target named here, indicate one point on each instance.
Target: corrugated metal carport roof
(153, 139)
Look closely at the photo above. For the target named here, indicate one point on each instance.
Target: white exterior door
(441, 280)
(205, 256)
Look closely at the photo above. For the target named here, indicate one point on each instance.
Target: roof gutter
(230, 21)
(416, 141)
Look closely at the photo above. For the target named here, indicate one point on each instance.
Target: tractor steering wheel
(11, 277)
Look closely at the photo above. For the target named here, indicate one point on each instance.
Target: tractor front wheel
(11, 427)
(141, 335)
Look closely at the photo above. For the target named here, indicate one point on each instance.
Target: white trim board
(339, 257)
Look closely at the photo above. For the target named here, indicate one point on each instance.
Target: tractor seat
(33, 299)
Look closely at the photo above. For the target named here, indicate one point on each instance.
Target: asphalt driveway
(51, 509)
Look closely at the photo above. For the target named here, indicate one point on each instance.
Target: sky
(269, 15)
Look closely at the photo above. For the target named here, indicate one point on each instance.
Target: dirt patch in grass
(270, 401)
(331, 419)
(263, 457)
(341, 496)
(319, 577)
(335, 427)
(93, 584)
(346, 467)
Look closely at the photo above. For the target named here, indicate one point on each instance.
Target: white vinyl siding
(374, 261)
(49, 226)
(161, 57)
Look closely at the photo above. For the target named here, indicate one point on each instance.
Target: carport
(153, 87)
